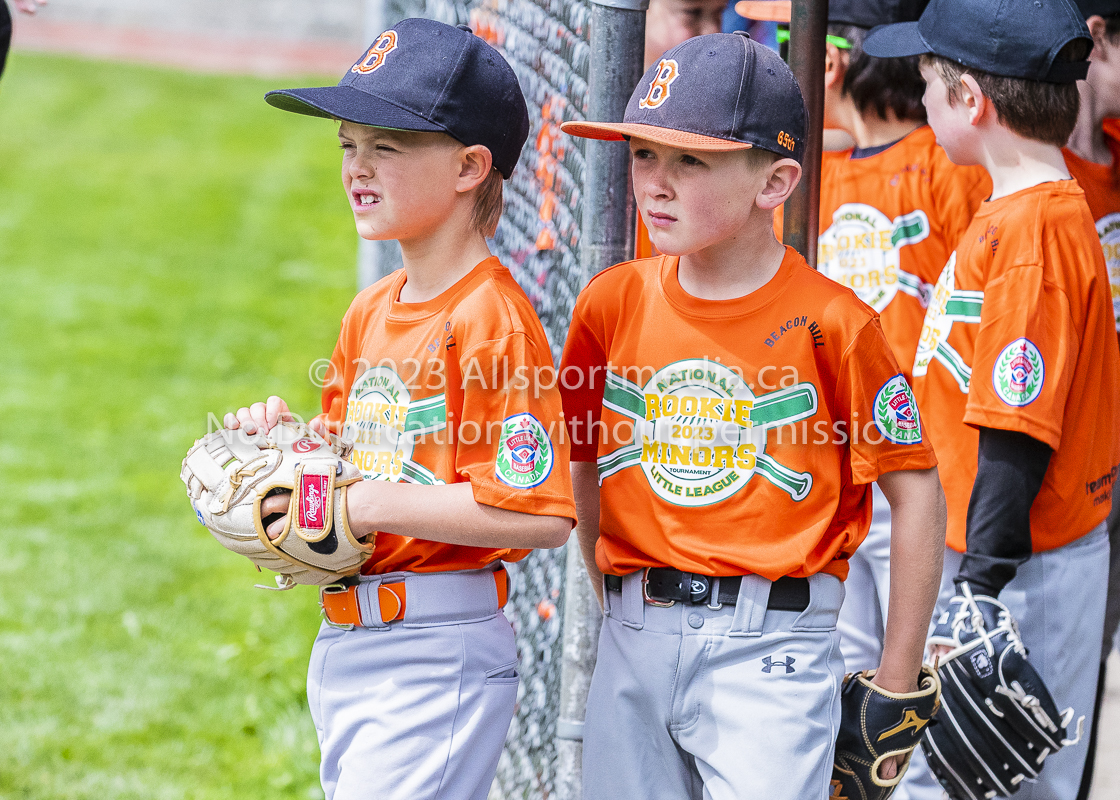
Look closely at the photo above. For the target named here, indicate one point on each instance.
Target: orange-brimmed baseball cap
(721, 91)
(764, 10)
(861, 13)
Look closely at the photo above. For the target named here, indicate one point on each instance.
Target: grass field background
(169, 246)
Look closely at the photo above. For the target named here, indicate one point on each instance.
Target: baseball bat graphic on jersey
(708, 431)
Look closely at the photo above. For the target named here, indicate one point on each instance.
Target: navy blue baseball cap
(1098, 8)
(423, 75)
(861, 13)
(1011, 38)
(717, 92)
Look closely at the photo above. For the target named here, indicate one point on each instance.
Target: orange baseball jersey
(1101, 184)
(451, 390)
(1020, 336)
(736, 436)
(888, 223)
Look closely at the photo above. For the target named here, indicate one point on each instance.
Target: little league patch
(896, 413)
(1019, 373)
(525, 454)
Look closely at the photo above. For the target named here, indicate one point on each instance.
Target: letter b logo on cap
(385, 44)
(667, 72)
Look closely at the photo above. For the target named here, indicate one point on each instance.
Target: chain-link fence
(546, 42)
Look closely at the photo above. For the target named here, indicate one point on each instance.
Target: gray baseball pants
(730, 703)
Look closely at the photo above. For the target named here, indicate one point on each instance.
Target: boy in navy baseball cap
(709, 392)
(413, 676)
(1017, 364)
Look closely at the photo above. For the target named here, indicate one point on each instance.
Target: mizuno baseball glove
(228, 474)
(998, 722)
(875, 725)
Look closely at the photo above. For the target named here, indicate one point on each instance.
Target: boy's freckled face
(949, 123)
(400, 184)
(692, 199)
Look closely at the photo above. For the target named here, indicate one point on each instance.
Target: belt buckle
(333, 588)
(649, 600)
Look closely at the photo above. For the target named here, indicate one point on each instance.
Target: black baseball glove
(998, 722)
(875, 725)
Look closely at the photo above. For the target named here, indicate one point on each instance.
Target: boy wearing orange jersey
(1017, 365)
(892, 210)
(728, 409)
(1093, 158)
(413, 676)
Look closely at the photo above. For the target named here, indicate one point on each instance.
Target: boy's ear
(974, 100)
(1098, 29)
(475, 163)
(784, 175)
(835, 66)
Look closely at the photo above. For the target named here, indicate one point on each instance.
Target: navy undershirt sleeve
(1010, 469)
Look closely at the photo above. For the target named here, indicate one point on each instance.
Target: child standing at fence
(413, 677)
(728, 409)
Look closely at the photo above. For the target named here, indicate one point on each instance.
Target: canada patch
(1019, 373)
(525, 454)
(896, 413)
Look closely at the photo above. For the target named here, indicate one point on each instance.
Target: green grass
(169, 246)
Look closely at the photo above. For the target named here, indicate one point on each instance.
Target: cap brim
(618, 131)
(765, 10)
(350, 104)
(898, 40)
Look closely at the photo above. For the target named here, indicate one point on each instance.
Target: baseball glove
(228, 474)
(998, 721)
(875, 725)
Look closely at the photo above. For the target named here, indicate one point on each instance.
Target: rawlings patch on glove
(998, 722)
(228, 474)
(875, 725)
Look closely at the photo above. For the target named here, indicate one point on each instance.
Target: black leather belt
(666, 586)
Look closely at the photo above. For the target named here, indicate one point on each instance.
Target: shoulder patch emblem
(667, 72)
(1019, 373)
(896, 413)
(525, 454)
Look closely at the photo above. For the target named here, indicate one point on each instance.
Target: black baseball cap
(423, 75)
(1012, 38)
(1098, 8)
(722, 91)
(861, 13)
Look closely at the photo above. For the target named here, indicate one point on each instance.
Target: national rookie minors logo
(1019, 373)
(896, 413)
(525, 454)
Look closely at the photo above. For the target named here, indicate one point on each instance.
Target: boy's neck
(1088, 139)
(1016, 163)
(733, 268)
(435, 263)
(870, 130)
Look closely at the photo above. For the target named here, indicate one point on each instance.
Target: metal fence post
(607, 237)
(807, 29)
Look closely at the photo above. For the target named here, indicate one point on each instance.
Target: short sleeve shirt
(888, 224)
(1020, 336)
(1101, 184)
(736, 436)
(451, 390)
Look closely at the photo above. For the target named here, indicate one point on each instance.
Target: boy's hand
(264, 416)
(275, 506)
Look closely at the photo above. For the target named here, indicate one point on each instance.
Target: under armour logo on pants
(770, 664)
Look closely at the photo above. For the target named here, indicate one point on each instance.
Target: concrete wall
(290, 20)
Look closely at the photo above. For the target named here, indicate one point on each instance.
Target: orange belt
(340, 603)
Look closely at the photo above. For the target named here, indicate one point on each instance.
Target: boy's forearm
(448, 514)
(585, 484)
(917, 551)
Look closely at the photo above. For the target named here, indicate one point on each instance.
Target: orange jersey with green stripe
(735, 436)
(1020, 336)
(453, 390)
(888, 223)
(1101, 183)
